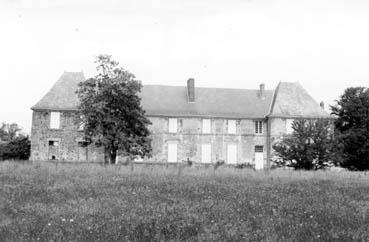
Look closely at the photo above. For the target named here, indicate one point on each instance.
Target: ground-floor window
(53, 143)
(231, 153)
(172, 152)
(53, 149)
(206, 153)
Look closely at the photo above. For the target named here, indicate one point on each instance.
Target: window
(172, 125)
(54, 120)
(53, 143)
(259, 148)
(231, 126)
(231, 153)
(82, 143)
(206, 153)
(206, 126)
(289, 123)
(258, 127)
(81, 124)
(172, 153)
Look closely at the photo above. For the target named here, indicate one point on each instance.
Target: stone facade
(189, 138)
(64, 144)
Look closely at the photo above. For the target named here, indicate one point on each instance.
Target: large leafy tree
(111, 111)
(309, 146)
(352, 128)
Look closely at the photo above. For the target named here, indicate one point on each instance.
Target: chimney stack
(191, 90)
(262, 91)
(322, 105)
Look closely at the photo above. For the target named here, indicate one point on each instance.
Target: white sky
(324, 45)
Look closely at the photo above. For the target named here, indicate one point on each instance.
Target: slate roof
(292, 100)
(62, 95)
(289, 99)
(211, 102)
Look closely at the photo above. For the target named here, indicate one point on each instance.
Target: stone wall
(67, 137)
(189, 139)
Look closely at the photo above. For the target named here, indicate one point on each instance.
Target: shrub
(244, 165)
(309, 147)
(18, 149)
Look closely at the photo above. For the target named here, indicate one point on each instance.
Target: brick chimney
(262, 91)
(191, 90)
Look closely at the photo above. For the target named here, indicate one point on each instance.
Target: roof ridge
(222, 88)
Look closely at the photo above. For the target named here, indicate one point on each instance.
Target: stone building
(202, 124)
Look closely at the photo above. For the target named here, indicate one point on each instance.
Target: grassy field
(84, 202)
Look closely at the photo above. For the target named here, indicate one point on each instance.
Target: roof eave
(53, 109)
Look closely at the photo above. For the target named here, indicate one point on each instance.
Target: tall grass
(46, 201)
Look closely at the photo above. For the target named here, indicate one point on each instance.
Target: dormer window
(54, 120)
(258, 127)
(172, 125)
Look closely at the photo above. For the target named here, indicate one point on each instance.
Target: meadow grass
(41, 201)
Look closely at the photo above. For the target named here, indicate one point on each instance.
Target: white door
(206, 153)
(259, 157)
(172, 152)
(231, 154)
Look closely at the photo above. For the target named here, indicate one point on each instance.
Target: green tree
(19, 148)
(352, 128)
(111, 111)
(9, 131)
(13, 144)
(309, 146)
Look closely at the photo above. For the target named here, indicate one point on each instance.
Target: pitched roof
(292, 100)
(289, 99)
(212, 102)
(62, 95)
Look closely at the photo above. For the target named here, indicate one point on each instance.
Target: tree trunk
(113, 156)
(106, 156)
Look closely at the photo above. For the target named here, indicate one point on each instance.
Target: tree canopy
(13, 144)
(309, 146)
(111, 111)
(352, 128)
(8, 131)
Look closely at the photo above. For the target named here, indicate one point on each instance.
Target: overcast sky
(324, 45)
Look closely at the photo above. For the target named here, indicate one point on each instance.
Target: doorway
(259, 157)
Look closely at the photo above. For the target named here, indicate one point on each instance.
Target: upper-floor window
(258, 127)
(173, 125)
(206, 126)
(54, 120)
(231, 126)
(289, 128)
